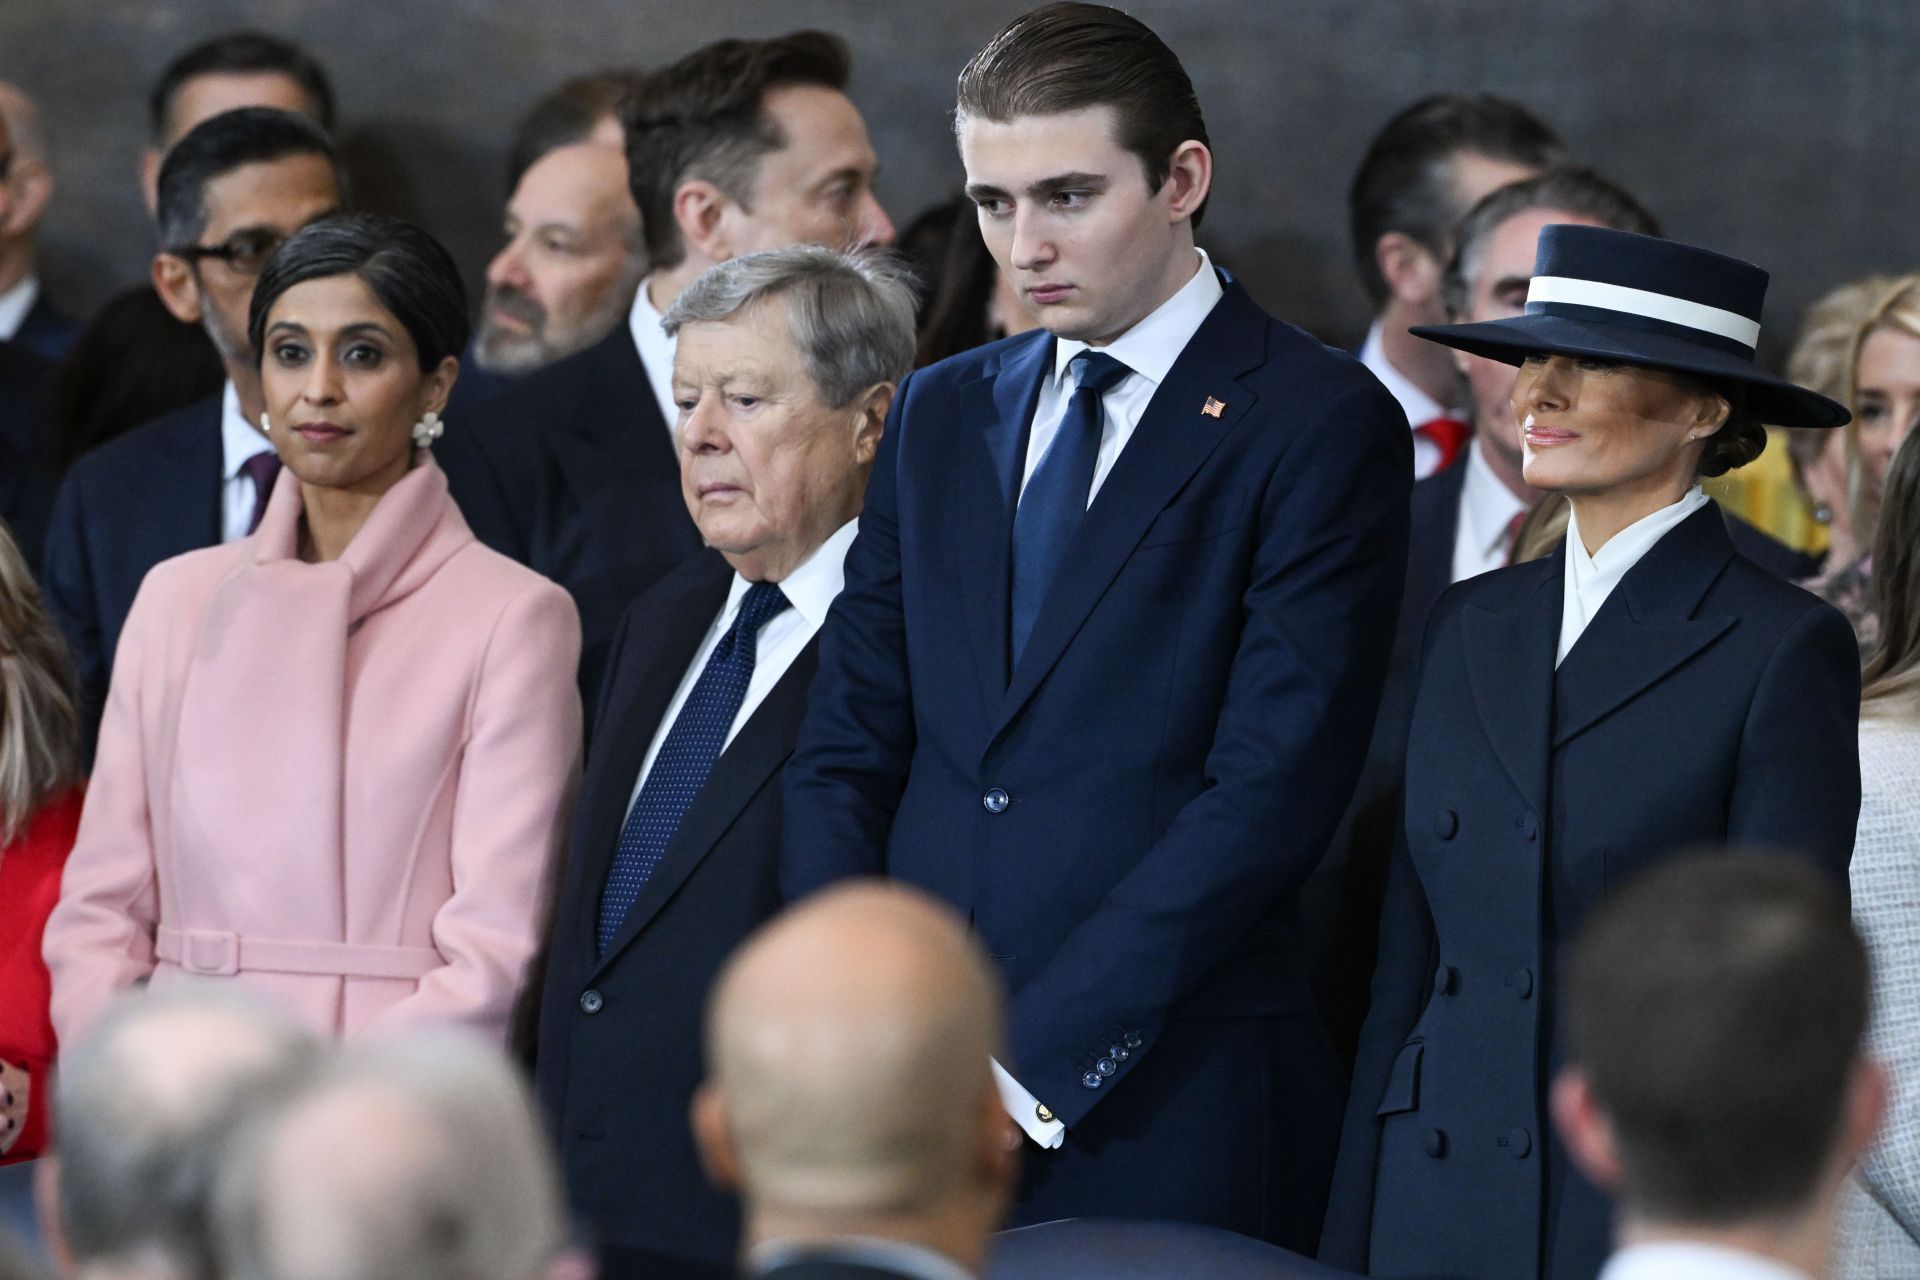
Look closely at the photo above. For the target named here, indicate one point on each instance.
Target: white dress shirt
(1149, 349)
(14, 305)
(1417, 404)
(1591, 579)
(1684, 1260)
(810, 590)
(1487, 509)
(656, 352)
(239, 441)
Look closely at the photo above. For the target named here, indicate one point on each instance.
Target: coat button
(1533, 828)
(1445, 823)
(1446, 979)
(1519, 1142)
(1133, 1039)
(1436, 1143)
(1091, 1080)
(590, 1002)
(996, 801)
(1118, 1052)
(1106, 1066)
(1521, 980)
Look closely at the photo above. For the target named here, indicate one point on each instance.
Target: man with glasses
(230, 192)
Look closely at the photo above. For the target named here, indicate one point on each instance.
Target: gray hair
(1564, 187)
(851, 313)
(415, 1158)
(145, 1102)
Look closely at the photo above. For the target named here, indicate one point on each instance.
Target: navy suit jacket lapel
(1002, 400)
(615, 431)
(1510, 648)
(1646, 628)
(198, 460)
(1173, 438)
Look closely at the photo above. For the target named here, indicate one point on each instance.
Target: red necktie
(262, 468)
(1448, 435)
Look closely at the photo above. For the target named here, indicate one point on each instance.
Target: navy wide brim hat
(1631, 299)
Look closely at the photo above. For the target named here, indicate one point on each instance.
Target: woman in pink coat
(336, 755)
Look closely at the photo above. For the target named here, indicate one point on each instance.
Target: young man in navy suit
(1111, 641)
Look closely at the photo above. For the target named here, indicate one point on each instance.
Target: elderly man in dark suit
(740, 146)
(1113, 634)
(786, 364)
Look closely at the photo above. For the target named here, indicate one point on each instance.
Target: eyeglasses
(244, 252)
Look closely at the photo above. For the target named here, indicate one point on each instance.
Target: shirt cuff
(1028, 1111)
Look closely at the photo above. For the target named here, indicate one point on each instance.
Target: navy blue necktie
(1055, 499)
(686, 758)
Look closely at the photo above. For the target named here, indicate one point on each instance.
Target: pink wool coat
(338, 784)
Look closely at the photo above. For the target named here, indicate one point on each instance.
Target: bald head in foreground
(849, 1098)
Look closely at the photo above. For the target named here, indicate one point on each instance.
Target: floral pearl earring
(428, 429)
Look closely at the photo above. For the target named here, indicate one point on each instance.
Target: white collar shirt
(14, 305)
(908, 1259)
(656, 352)
(1685, 1260)
(1149, 349)
(1415, 403)
(1591, 579)
(1487, 512)
(810, 590)
(239, 441)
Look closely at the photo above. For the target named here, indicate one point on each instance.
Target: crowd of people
(778, 750)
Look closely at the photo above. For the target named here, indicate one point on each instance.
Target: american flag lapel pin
(1213, 408)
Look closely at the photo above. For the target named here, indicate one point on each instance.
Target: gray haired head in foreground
(851, 313)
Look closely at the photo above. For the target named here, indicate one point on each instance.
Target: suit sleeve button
(1436, 1143)
(1106, 1066)
(590, 1002)
(1446, 979)
(1445, 823)
(1521, 980)
(1133, 1039)
(1091, 1080)
(1518, 1143)
(995, 801)
(1118, 1052)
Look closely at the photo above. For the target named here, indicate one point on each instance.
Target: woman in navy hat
(1644, 690)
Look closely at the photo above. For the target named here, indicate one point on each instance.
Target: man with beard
(230, 193)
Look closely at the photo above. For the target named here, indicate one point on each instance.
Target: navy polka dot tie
(686, 758)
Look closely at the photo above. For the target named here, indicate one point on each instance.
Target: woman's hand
(14, 1086)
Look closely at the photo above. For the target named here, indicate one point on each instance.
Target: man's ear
(871, 423)
(179, 291)
(1411, 271)
(1189, 178)
(1586, 1129)
(713, 1137)
(32, 184)
(700, 209)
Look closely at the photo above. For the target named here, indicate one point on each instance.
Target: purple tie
(261, 468)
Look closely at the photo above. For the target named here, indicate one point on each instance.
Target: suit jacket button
(996, 801)
(1118, 1052)
(1533, 828)
(1519, 1143)
(1445, 823)
(1446, 979)
(590, 1002)
(1133, 1039)
(1106, 1066)
(1521, 980)
(1436, 1143)
(1091, 1079)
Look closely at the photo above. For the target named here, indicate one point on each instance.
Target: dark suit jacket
(1126, 815)
(46, 331)
(144, 497)
(1707, 703)
(24, 375)
(619, 1044)
(571, 470)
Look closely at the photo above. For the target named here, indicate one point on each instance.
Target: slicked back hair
(229, 141)
(1717, 1006)
(1405, 183)
(1070, 57)
(239, 53)
(568, 115)
(705, 117)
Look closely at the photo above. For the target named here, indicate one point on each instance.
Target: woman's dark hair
(1740, 439)
(945, 247)
(132, 363)
(1894, 670)
(407, 269)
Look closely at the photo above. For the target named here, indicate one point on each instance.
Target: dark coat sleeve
(67, 584)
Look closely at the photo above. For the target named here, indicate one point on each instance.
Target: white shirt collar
(14, 305)
(1417, 404)
(656, 351)
(1591, 579)
(239, 439)
(813, 584)
(1685, 1260)
(871, 1251)
(1487, 506)
(1150, 347)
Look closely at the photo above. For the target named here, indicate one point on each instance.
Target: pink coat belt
(219, 954)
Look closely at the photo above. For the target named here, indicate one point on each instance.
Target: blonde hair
(39, 714)
(1826, 359)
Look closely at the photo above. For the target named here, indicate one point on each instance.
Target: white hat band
(1641, 302)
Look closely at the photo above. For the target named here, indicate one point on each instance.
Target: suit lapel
(1002, 401)
(1509, 653)
(1173, 438)
(616, 432)
(755, 754)
(200, 455)
(647, 687)
(1646, 629)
